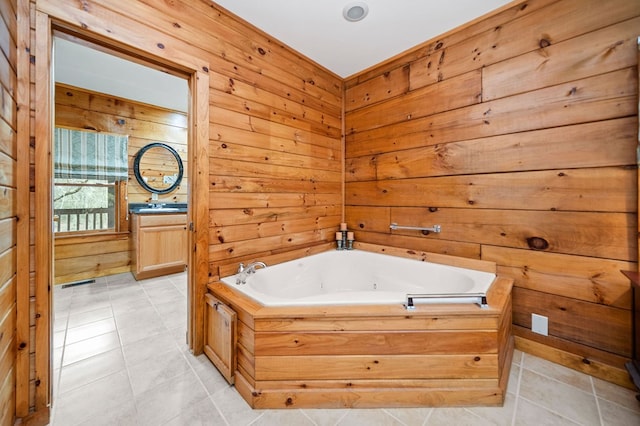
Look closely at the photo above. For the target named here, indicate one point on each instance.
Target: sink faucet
(156, 205)
(244, 271)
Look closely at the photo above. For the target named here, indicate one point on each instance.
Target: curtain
(90, 155)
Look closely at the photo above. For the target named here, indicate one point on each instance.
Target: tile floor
(120, 359)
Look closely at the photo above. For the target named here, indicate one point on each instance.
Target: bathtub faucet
(244, 271)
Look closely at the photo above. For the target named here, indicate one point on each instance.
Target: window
(90, 175)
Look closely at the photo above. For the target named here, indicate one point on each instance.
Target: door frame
(195, 70)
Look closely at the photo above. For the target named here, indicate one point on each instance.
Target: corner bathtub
(360, 277)
(340, 336)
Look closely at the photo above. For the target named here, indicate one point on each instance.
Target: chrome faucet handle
(240, 267)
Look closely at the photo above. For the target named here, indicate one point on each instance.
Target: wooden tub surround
(362, 356)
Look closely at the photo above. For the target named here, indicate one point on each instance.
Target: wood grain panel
(553, 23)
(584, 278)
(557, 232)
(460, 92)
(596, 52)
(575, 320)
(584, 189)
(530, 164)
(586, 100)
(343, 343)
(373, 367)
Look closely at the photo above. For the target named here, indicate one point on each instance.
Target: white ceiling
(317, 29)
(81, 66)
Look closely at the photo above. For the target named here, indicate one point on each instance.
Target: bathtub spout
(244, 271)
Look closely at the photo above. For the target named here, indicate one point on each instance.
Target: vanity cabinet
(160, 244)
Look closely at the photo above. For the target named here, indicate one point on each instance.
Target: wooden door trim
(196, 71)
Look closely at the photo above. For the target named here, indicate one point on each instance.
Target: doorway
(198, 84)
(108, 109)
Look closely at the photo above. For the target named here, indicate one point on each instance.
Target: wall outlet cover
(540, 324)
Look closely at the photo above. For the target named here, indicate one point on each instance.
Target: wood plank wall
(8, 209)
(275, 126)
(517, 134)
(513, 162)
(83, 257)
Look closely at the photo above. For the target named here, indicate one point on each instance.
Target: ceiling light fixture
(355, 11)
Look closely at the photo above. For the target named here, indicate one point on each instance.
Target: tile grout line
(517, 394)
(595, 395)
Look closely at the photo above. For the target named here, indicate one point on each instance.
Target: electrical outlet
(154, 196)
(540, 324)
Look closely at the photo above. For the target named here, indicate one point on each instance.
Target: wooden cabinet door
(220, 337)
(162, 247)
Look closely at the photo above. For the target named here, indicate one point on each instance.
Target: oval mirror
(158, 168)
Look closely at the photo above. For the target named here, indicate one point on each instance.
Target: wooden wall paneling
(601, 364)
(558, 232)
(390, 84)
(461, 91)
(566, 146)
(596, 97)
(273, 130)
(23, 204)
(576, 320)
(531, 32)
(596, 52)
(225, 134)
(592, 99)
(588, 279)
(606, 189)
(523, 177)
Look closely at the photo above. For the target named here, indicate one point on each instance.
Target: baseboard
(619, 376)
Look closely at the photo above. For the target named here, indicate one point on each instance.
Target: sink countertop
(168, 208)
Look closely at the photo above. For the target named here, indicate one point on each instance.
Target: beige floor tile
(164, 402)
(143, 315)
(124, 415)
(96, 398)
(210, 377)
(558, 372)
(202, 413)
(87, 348)
(233, 408)
(617, 394)
(127, 305)
(134, 333)
(282, 418)
(325, 417)
(92, 329)
(614, 414)
(566, 400)
(58, 338)
(148, 347)
(164, 294)
(529, 414)
(455, 416)
(90, 369)
(82, 318)
(514, 379)
(364, 417)
(498, 415)
(88, 303)
(156, 370)
(410, 416)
